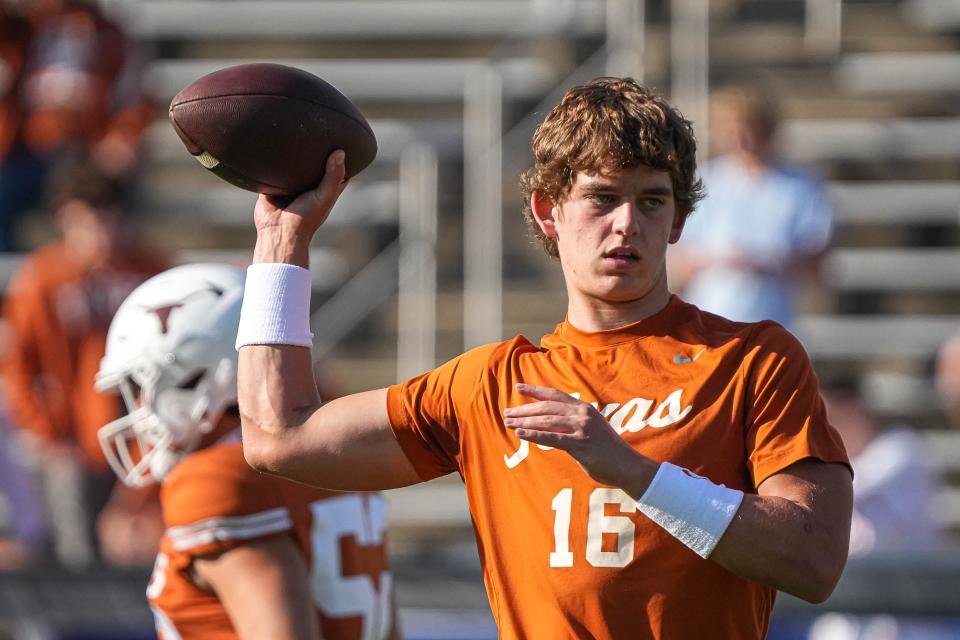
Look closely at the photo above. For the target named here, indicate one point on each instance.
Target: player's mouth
(622, 257)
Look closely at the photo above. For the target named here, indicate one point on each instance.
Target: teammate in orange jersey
(649, 471)
(244, 555)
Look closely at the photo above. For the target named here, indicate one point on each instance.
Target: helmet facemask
(169, 411)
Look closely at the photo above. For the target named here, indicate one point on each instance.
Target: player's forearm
(276, 395)
(276, 390)
(797, 548)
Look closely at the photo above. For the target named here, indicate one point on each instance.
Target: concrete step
(934, 15)
(757, 45)
(826, 99)
(896, 203)
(869, 140)
(391, 80)
(867, 338)
(404, 20)
(893, 270)
(898, 73)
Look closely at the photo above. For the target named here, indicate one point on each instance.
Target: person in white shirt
(762, 225)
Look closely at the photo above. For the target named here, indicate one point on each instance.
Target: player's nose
(625, 219)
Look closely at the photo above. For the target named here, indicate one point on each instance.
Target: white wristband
(276, 306)
(692, 509)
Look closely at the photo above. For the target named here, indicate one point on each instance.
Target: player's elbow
(815, 592)
(264, 451)
(822, 575)
(258, 455)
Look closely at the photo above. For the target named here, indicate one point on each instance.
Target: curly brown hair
(610, 123)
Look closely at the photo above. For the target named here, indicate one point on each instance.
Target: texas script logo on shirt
(633, 416)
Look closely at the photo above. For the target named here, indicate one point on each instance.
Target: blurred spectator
(23, 526)
(893, 485)
(893, 494)
(70, 80)
(58, 308)
(762, 223)
(948, 379)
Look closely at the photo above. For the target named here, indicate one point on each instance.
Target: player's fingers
(332, 183)
(557, 424)
(265, 204)
(543, 393)
(546, 438)
(544, 407)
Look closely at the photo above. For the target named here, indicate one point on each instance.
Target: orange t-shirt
(58, 314)
(214, 501)
(566, 557)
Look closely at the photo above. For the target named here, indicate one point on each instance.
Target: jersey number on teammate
(343, 591)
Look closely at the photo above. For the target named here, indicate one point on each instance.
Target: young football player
(244, 555)
(649, 471)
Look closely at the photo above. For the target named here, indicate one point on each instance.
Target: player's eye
(651, 203)
(602, 199)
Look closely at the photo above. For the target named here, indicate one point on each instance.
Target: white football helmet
(170, 354)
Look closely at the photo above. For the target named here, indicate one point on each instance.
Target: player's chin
(620, 287)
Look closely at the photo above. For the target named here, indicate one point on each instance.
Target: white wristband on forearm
(276, 306)
(691, 508)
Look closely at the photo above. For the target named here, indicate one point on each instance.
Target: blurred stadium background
(427, 253)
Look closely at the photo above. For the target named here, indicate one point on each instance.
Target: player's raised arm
(345, 444)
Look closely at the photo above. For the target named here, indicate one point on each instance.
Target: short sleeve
(214, 501)
(425, 411)
(786, 417)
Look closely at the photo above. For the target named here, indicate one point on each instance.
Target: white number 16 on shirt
(598, 523)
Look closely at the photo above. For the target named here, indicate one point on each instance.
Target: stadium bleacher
(875, 117)
(878, 118)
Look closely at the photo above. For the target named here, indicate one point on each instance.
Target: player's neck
(591, 314)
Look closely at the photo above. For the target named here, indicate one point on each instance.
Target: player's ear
(678, 221)
(545, 213)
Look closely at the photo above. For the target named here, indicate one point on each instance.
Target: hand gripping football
(269, 128)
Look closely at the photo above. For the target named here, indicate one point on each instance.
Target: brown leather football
(269, 128)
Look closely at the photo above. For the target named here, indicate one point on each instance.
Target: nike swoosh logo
(679, 359)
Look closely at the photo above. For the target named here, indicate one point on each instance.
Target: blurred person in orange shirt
(70, 80)
(58, 308)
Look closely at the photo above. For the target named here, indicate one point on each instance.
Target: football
(269, 128)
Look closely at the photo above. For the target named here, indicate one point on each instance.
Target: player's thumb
(330, 187)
